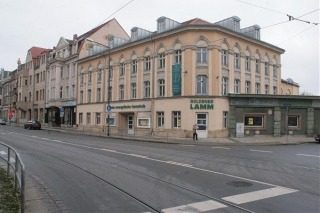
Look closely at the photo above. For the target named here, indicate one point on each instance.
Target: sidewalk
(249, 140)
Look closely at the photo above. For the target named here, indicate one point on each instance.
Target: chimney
(75, 36)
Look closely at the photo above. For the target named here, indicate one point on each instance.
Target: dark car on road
(317, 137)
(2, 121)
(32, 125)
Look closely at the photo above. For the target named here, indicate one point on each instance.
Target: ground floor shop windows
(202, 122)
(293, 121)
(254, 120)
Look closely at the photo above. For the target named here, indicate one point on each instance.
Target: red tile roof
(36, 51)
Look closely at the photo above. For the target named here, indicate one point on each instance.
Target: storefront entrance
(130, 125)
(202, 122)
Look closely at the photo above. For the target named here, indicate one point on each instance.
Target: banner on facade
(176, 79)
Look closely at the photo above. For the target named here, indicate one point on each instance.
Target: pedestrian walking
(195, 134)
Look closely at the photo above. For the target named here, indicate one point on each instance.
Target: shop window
(254, 121)
(112, 121)
(143, 122)
(293, 121)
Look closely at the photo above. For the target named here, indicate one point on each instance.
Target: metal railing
(15, 168)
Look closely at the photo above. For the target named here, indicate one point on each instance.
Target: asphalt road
(94, 174)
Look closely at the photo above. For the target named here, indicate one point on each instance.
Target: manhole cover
(239, 184)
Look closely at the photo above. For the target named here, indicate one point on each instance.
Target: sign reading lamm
(201, 104)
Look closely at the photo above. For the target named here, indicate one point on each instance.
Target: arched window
(202, 85)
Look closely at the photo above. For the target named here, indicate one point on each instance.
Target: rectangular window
(224, 57)
(275, 74)
(202, 85)
(133, 90)
(133, 67)
(248, 87)
(98, 94)
(176, 119)
(89, 96)
(88, 117)
(121, 92)
(225, 119)
(111, 73)
(237, 60)
(275, 90)
(254, 121)
(177, 57)
(67, 92)
(237, 86)
(122, 69)
(81, 97)
(110, 93)
(293, 121)
(61, 92)
(225, 85)
(80, 118)
(98, 118)
(81, 78)
(99, 75)
(73, 90)
(202, 55)
(160, 119)
(90, 77)
(147, 64)
(143, 122)
(257, 66)
(266, 68)
(266, 89)
(247, 64)
(258, 88)
(146, 90)
(161, 87)
(162, 61)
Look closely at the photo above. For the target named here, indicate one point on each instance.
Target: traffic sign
(109, 108)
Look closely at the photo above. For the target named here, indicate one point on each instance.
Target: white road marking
(34, 136)
(139, 156)
(195, 207)
(179, 164)
(45, 139)
(220, 147)
(186, 145)
(257, 150)
(308, 168)
(56, 140)
(3, 153)
(258, 195)
(306, 155)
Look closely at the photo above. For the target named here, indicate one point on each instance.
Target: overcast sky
(27, 23)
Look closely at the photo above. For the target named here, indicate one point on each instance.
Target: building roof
(196, 21)
(37, 51)
(290, 81)
(90, 32)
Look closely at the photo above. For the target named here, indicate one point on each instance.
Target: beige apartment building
(289, 87)
(163, 82)
(62, 73)
(28, 106)
(9, 97)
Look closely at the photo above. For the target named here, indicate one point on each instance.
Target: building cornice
(182, 29)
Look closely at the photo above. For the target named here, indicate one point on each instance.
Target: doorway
(130, 125)
(202, 122)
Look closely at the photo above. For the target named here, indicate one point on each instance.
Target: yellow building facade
(164, 82)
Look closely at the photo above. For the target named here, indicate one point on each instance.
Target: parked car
(32, 125)
(2, 121)
(317, 137)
